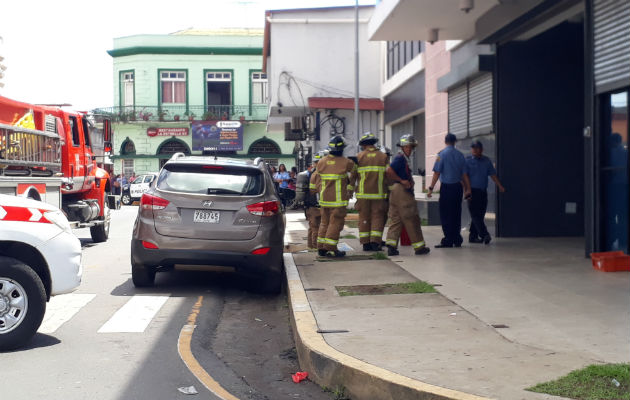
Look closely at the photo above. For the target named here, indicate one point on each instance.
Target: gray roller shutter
(458, 111)
(611, 25)
(480, 105)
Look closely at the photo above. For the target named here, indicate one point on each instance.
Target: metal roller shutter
(611, 25)
(458, 111)
(480, 105)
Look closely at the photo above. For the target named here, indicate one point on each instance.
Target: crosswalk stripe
(135, 315)
(61, 309)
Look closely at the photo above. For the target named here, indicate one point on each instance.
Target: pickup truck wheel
(22, 303)
(100, 233)
(142, 275)
(125, 199)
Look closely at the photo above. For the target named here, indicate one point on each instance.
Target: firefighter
(371, 193)
(334, 181)
(402, 203)
(311, 205)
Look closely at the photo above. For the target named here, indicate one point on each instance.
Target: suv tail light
(150, 202)
(265, 208)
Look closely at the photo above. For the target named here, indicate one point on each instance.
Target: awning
(345, 103)
(419, 19)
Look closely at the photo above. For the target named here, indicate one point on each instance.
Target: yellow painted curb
(313, 342)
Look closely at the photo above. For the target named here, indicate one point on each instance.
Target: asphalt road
(109, 340)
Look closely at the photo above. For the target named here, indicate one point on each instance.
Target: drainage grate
(499, 326)
(332, 331)
(313, 289)
(353, 258)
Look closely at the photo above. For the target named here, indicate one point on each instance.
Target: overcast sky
(55, 51)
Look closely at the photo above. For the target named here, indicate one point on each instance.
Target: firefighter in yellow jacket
(371, 193)
(311, 205)
(334, 181)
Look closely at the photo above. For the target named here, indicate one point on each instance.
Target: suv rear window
(211, 179)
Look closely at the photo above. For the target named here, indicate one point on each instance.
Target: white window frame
(260, 79)
(172, 76)
(218, 76)
(127, 166)
(128, 90)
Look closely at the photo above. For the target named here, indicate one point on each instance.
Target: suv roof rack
(177, 155)
(258, 160)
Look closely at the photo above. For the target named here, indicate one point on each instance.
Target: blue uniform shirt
(451, 165)
(399, 165)
(479, 169)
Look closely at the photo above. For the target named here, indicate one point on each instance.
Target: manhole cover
(375, 256)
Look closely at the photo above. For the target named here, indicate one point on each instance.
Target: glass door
(614, 172)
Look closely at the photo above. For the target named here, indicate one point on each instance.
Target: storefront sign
(167, 132)
(217, 135)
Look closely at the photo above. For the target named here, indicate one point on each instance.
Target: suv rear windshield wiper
(223, 191)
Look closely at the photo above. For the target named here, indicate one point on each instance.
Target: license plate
(208, 217)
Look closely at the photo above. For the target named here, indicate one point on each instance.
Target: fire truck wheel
(100, 232)
(22, 303)
(142, 275)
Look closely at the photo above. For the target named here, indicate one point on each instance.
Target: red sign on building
(167, 132)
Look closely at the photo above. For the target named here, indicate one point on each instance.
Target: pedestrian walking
(334, 181)
(479, 169)
(311, 204)
(371, 193)
(450, 169)
(403, 210)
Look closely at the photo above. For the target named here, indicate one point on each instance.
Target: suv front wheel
(22, 303)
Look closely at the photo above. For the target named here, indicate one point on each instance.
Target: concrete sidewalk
(558, 314)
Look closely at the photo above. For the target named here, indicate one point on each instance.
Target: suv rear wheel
(22, 303)
(142, 275)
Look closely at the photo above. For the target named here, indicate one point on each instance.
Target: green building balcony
(139, 113)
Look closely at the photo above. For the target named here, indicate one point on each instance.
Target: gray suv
(208, 212)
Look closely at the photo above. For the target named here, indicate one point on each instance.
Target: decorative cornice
(239, 51)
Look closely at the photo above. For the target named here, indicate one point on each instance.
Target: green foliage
(594, 382)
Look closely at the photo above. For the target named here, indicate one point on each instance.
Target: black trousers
(451, 212)
(477, 205)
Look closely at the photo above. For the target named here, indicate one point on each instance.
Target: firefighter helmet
(407, 140)
(368, 139)
(336, 145)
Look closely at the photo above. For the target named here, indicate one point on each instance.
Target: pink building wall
(437, 62)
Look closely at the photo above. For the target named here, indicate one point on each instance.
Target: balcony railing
(254, 112)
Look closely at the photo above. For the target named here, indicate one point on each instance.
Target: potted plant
(145, 115)
(208, 116)
(242, 118)
(162, 114)
(190, 115)
(132, 115)
(224, 116)
(176, 117)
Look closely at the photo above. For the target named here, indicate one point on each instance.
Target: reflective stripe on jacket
(372, 166)
(335, 179)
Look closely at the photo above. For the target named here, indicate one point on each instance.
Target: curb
(331, 368)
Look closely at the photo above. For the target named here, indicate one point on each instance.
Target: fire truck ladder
(25, 152)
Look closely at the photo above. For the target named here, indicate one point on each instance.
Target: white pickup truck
(39, 257)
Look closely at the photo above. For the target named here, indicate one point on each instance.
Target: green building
(194, 92)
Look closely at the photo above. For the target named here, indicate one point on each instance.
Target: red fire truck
(47, 154)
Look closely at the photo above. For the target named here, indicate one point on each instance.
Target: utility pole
(356, 70)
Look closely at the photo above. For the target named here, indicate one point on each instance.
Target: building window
(173, 85)
(128, 147)
(127, 167)
(400, 54)
(264, 146)
(127, 89)
(259, 88)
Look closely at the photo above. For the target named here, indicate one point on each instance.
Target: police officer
(450, 169)
(403, 210)
(311, 205)
(371, 193)
(479, 169)
(334, 181)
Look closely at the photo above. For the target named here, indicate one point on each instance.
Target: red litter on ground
(299, 376)
(611, 261)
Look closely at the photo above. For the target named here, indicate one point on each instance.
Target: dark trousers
(477, 206)
(451, 212)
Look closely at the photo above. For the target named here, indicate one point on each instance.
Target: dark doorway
(614, 170)
(540, 148)
(219, 98)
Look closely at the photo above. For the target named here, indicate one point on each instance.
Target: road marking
(135, 315)
(61, 309)
(183, 347)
